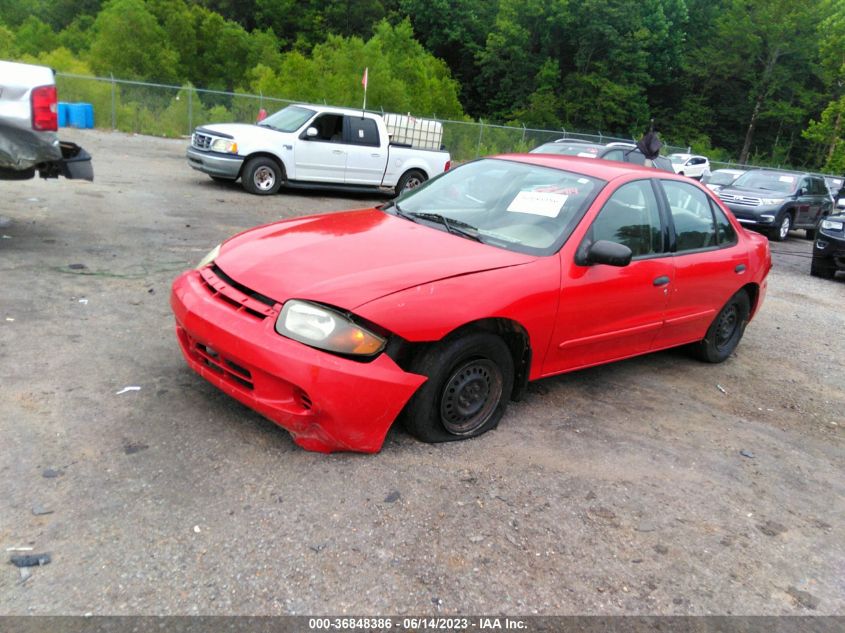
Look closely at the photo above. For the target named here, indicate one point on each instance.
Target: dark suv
(777, 201)
(623, 152)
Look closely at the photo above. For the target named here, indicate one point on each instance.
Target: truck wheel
(262, 176)
(410, 180)
(782, 231)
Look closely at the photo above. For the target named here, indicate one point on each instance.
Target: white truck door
(322, 158)
(366, 158)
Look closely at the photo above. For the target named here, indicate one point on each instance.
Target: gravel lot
(615, 490)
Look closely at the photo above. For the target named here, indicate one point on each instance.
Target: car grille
(201, 141)
(743, 200)
(225, 367)
(237, 296)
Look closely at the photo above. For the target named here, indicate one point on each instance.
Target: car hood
(759, 193)
(351, 258)
(241, 132)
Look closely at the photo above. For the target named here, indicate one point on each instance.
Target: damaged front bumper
(327, 403)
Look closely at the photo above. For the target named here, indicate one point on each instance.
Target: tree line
(750, 80)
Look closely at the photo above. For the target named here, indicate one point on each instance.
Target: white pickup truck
(313, 146)
(28, 125)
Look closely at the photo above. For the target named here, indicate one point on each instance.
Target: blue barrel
(88, 114)
(75, 115)
(62, 114)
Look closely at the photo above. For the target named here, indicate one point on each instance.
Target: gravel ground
(616, 490)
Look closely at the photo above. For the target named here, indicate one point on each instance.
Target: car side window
(631, 217)
(329, 128)
(363, 131)
(635, 156)
(805, 185)
(724, 229)
(615, 154)
(691, 215)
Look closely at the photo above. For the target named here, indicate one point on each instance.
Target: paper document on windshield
(547, 204)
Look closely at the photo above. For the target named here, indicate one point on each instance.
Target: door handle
(740, 268)
(338, 151)
(376, 155)
(661, 281)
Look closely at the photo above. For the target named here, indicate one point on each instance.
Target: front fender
(527, 294)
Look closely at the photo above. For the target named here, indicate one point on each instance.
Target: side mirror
(803, 191)
(608, 253)
(311, 132)
(840, 204)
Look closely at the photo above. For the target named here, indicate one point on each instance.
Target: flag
(364, 78)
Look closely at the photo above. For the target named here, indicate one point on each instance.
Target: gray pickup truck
(29, 142)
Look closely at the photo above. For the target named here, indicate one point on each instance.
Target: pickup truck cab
(313, 146)
(28, 125)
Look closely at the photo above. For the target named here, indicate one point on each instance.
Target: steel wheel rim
(264, 178)
(784, 227)
(412, 183)
(727, 325)
(470, 396)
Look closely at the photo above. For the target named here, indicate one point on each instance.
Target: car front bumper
(327, 403)
(830, 250)
(215, 164)
(757, 217)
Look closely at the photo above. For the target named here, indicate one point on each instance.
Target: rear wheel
(780, 233)
(725, 332)
(410, 180)
(470, 380)
(262, 176)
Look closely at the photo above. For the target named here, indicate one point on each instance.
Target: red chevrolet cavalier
(439, 307)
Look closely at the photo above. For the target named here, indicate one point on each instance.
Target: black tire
(727, 329)
(262, 176)
(818, 269)
(784, 225)
(410, 180)
(470, 380)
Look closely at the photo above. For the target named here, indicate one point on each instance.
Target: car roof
(602, 169)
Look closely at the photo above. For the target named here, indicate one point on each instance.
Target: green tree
(34, 36)
(129, 43)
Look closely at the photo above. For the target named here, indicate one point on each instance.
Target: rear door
(607, 312)
(710, 264)
(365, 157)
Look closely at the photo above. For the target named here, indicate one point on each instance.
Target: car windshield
(721, 178)
(678, 160)
(585, 150)
(288, 119)
(768, 181)
(512, 205)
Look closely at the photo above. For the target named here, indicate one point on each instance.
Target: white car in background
(690, 165)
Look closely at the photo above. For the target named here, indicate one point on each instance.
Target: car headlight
(324, 328)
(768, 201)
(224, 145)
(212, 255)
(833, 225)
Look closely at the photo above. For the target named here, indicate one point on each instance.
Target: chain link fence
(173, 111)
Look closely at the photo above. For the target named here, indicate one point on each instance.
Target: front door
(607, 312)
(322, 158)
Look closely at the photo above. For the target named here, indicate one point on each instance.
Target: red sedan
(438, 308)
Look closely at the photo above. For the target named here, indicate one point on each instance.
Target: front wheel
(782, 231)
(262, 176)
(470, 380)
(410, 180)
(725, 332)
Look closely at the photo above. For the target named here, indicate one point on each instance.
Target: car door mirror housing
(311, 132)
(609, 253)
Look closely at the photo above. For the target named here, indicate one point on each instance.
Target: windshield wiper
(267, 125)
(399, 211)
(456, 227)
